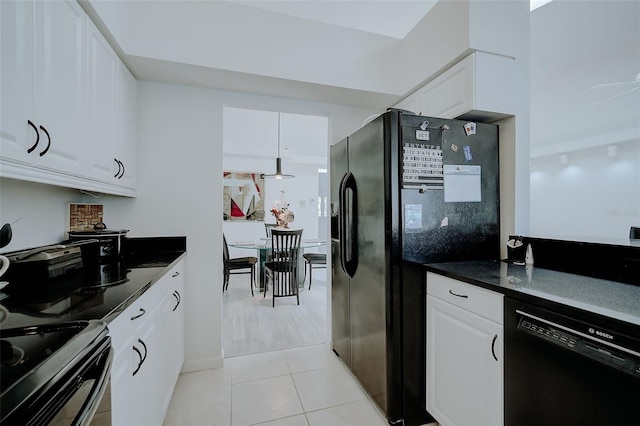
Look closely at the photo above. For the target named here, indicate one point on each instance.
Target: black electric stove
(53, 323)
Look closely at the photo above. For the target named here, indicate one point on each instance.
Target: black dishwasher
(564, 366)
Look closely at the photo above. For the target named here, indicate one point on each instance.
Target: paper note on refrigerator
(462, 183)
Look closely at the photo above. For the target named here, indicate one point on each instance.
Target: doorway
(251, 140)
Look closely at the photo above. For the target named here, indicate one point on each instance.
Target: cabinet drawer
(135, 315)
(487, 304)
(176, 273)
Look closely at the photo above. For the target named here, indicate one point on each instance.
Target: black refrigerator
(405, 190)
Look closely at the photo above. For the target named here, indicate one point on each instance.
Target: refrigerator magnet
(470, 128)
(422, 135)
(467, 153)
(454, 147)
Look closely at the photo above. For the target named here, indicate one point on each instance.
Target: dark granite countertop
(74, 297)
(610, 299)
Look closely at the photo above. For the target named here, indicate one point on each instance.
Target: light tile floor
(302, 386)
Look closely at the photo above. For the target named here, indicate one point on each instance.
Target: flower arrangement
(283, 215)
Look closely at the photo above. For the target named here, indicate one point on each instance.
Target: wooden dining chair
(268, 227)
(314, 261)
(237, 265)
(282, 269)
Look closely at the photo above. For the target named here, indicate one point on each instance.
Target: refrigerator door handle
(348, 225)
(341, 221)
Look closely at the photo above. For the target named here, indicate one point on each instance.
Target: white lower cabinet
(148, 341)
(134, 383)
(172, 336)
(464, 353)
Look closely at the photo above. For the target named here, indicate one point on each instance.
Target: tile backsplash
(82, 217)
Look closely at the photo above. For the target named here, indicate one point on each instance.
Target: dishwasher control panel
(550, 333)
(617, 357)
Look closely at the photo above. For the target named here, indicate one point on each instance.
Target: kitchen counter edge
(137, 294)
(626, 319)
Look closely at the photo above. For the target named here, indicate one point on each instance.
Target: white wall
(250, 145)
(42, 209)
(179, 193)
(180, 190)
(593, 196)
(179, 163)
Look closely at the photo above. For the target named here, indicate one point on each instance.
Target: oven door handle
(90, 406)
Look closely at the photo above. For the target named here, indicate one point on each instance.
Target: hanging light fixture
(278, 174)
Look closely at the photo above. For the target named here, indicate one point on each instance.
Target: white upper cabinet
(125, 156)
(16, 81)
(481, 85)
(60, 85)
(43, 84)
(101, 135)
(62, 100)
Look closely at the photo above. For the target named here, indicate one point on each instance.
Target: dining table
(263, 245)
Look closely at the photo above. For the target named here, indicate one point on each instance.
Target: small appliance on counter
(516, 250)
(5, 239)
(46, 262)
(109, 240)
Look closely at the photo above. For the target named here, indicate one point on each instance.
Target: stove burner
(27, 347)
(10, 355)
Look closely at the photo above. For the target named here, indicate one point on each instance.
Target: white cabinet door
(134, 379)
(16, 81)
(102, 131)
(148, 338)
(172, 338)
(464, 366)
(410, 104)
(60, 85)
(450, 94)
(126, 147)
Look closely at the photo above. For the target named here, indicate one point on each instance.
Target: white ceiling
(334, 51)
(389, 18)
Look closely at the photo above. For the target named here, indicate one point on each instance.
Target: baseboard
(202, 364)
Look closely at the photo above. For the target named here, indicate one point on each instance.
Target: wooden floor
(251, 325)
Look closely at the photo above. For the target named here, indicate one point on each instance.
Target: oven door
(561, 370)
(69, 386)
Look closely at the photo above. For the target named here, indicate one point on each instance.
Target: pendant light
(278, 174)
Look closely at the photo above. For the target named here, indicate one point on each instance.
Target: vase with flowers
(283, 215)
